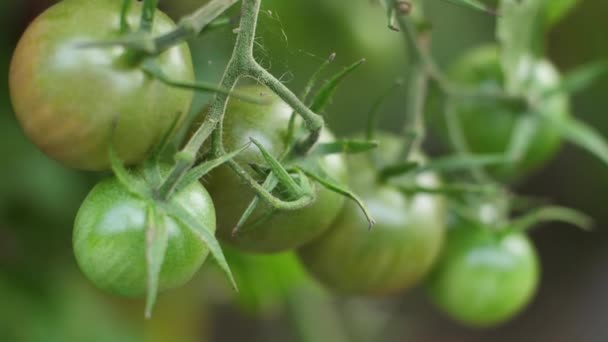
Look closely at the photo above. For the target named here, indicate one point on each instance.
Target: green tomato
(285, 229)
(488, 125)
(110, 238)
(484, 278)
(397, 252)
(67, 97)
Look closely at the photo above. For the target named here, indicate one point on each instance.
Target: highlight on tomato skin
(285, 230)
(71, 100)
(110, 239)
(483, 278)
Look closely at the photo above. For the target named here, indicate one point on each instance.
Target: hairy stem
(192, 25)
(314, 122)
(414, 123)
(238, 65)
(420, 51)
(241, 64)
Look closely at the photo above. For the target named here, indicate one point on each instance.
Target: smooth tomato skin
(483, 279)
(286, 229)
(488, 125)
(110, 239)
(396, 253)
(67, 97)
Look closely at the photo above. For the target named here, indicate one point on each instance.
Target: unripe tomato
(484, 278)
(286, 229)
(110, 238)
(67, 97)
(488, 125)
(399, 249)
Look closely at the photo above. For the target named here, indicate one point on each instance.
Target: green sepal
(397, 169)
(325, 94)
(550, 213)
(447, 189)
(345, 147)
(579, 78)
(133, 185)
(157, 240)
(269, 184)
(283, 176)
(180, 214)
(204, 168)
(556, 10)
(342, 190)
(584, 136)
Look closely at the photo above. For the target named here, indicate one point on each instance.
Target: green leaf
(345, 146)
(474, 4)
(556, 10)
(551, 213)
(284, 178)
(339, 189)
(315, 76)
(396, 170)
(584, 136)
(579, 79)
(324, 95)
(207, 236)
(447, 189)
(463, 162)
(520, 33)
(157, 240)
(291, 127)
(199, 171)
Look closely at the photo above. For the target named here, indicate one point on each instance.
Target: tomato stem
(241, 64)
(124, 15)
(426, 69)
(147, 15)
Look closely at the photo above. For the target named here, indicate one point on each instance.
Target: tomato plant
(399, 249)
(268, 124)
(68, 97)
(489, 125)
(103, 84)
(484, 277)
(110, 238)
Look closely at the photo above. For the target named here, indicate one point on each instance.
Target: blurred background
(43, 296)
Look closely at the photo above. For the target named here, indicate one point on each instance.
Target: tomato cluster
(78, 102)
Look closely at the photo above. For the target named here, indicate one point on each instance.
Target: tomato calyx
(145, 188)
